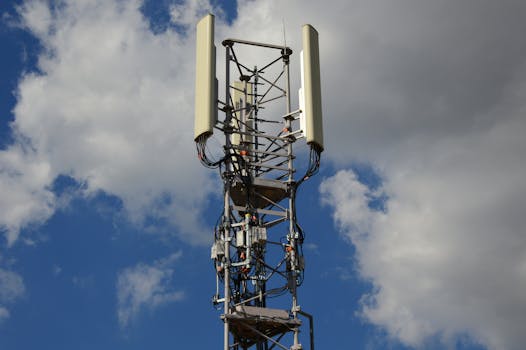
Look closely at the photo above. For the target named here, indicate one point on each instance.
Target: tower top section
(206, 85)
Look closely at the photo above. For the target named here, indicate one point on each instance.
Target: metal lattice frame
(254, 263)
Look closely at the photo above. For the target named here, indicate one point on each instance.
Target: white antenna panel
(205, 81)
(311, 85)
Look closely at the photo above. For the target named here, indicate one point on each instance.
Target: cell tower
(257, 250)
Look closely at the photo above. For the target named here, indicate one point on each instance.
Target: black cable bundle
(314, 162)
(200, 144)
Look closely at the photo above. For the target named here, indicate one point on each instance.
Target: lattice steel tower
(257, 250)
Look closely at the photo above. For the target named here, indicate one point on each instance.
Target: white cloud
(111, 107)
(187, 12)
(26, 198)
(146, 287)
(37, 17)
(447, 257)
(11, 288)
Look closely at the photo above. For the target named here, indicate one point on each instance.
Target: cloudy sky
(416, 224)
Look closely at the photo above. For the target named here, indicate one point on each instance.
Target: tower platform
(251, 324)
(261, 194)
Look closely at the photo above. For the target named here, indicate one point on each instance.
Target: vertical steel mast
(257, 250)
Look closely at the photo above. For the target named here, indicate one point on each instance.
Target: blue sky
(415, 223)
